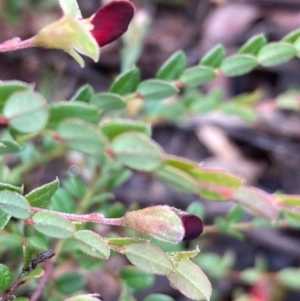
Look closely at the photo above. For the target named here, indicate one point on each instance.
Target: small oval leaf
(114, 127)
(190, 280)
(52, 225)
(27, 112)
(238, 64)
(91, 244)
(214, 57)
(137, 279)
(82, 136)
(40, 196)
(137, 151)
(257, 201)
(4, 219)
(34, 274)
(14, 204)
(173, 67)
(253, 45)
(127, 82)
(177, 179)
(149, 258)
(108, 102)
(276, 53)
(5, 277)
(196, 76)
(62, 110)
(154, 89)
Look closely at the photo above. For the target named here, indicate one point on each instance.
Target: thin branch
(96, 218)
(247, 226)
(16, 44)
(39, 289)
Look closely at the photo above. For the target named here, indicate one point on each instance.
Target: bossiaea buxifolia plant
(109, 149)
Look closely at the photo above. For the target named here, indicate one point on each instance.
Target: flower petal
(111, 21)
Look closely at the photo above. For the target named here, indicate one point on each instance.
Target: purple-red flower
(111, 21)
(193, 226)
(76, 36)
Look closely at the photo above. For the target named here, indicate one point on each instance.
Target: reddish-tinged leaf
(257, 201)
(111, 21)
(291, 200)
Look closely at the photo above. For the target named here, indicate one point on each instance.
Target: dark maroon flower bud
(193, 226)
(111, 21)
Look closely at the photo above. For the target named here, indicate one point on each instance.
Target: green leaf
(70, 7)
(21, 299)
(27, 112)
(154, 89)
(87, 297)
(14, 204)
(196, 76)
(253, 45)
(127, 82)
(173, 67)
(238, 64)
(176, 257)
(52, 225)
(40, 196)
(137, 151)
(208, 260)
(177, 179)
(292, 37)
(214, 57)
(62, 110)
(216, 185)
(251, 276)
(62, 201)
(158, 297)
(4, 219)
(242, 111)
(286, 199)
(6, 186)
(39, 242)
(84, 93)
(190, 280)
(119, 243)
(71, 283)
(10, 241)
(257, 201)
(136, 279)
(34, 274)
(289, 278)
(27, 255)
(108, 101)
(114, 127)
(5, 277)
(82, 136)
(92, 244)
(276, 53)
(235, 215)
(9, 146)
(149, 258)
(161, 222)
(197, 209)
(7, 88)
(181, 163)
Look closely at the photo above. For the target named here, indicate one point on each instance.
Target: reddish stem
(16, 44)
(96, 218)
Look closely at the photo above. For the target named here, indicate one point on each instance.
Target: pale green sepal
(69, 35)
(70, 8)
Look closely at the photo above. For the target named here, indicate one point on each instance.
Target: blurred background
(265, 152)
